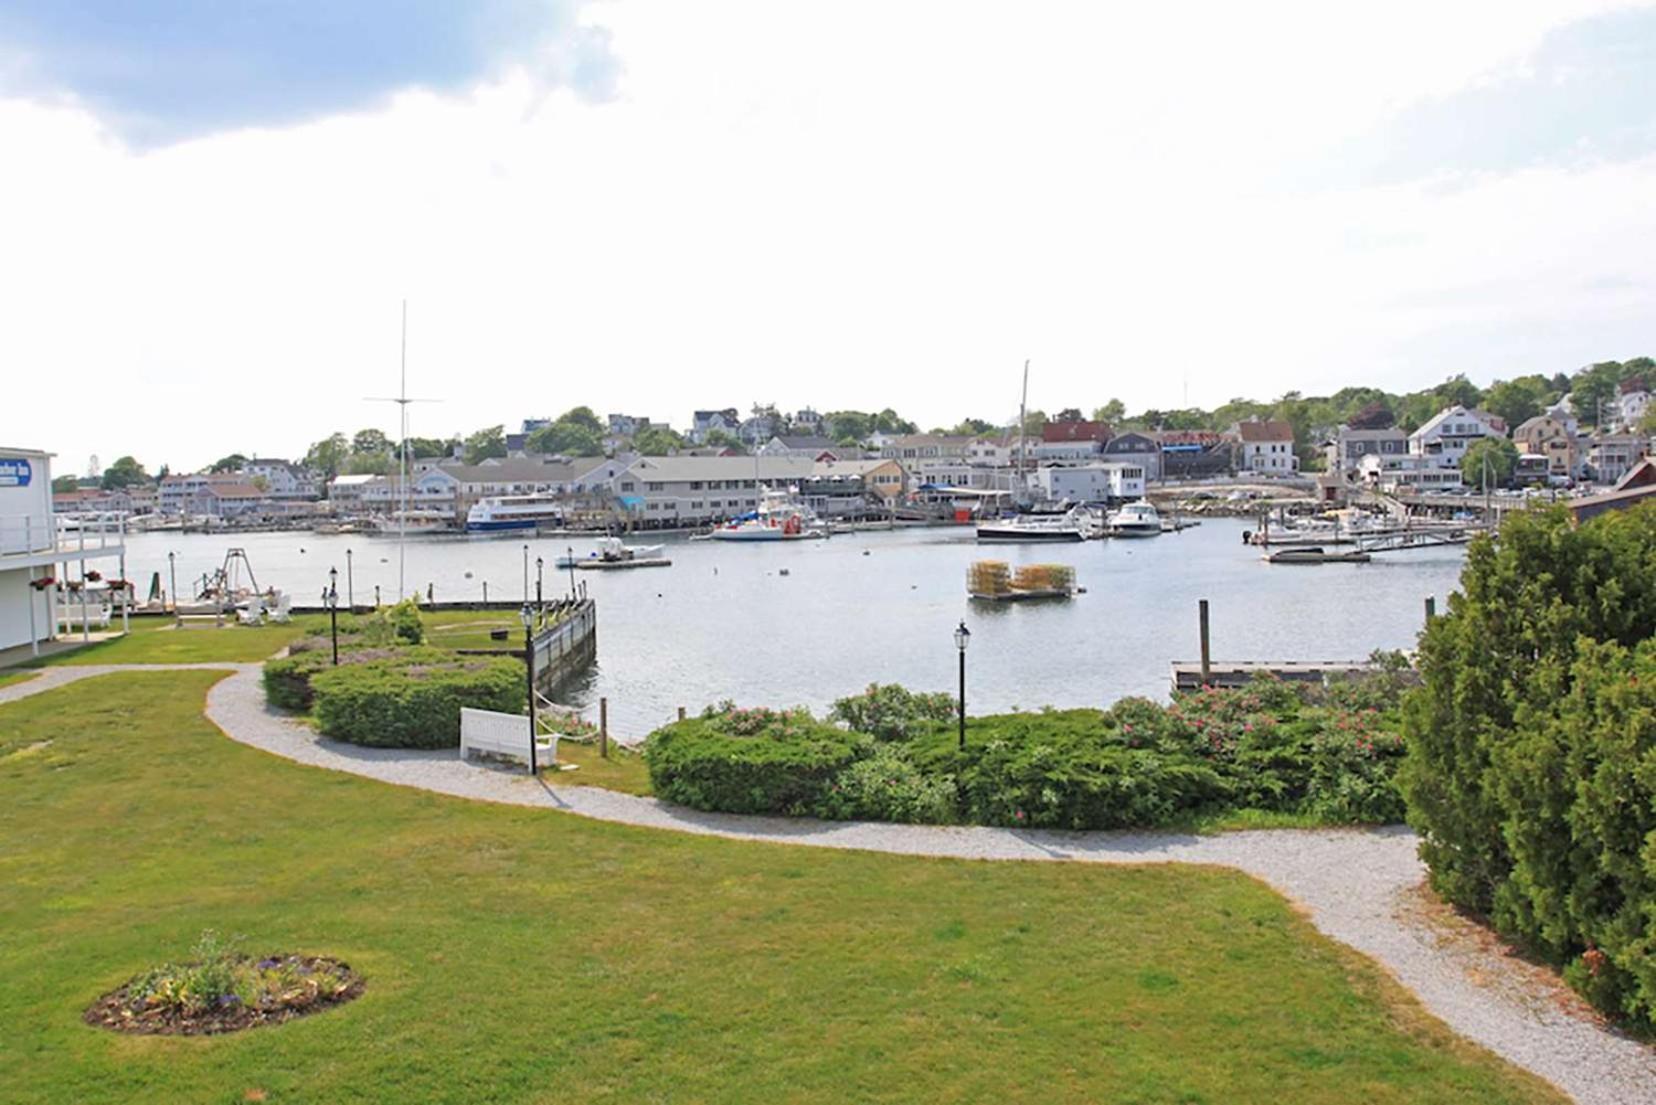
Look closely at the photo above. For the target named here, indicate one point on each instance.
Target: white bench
(505, 735)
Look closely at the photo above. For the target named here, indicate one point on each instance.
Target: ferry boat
(1071, 525)
(514, 514)
(412, 522)
(780, 517)
(1135, 520)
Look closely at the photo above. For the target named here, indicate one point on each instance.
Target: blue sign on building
(15, 472)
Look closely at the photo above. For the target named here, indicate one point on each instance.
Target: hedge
(1531, 774)
(783, 766)
(397, 704)
(287, 679)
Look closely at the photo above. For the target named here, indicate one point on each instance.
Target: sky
(213, 213)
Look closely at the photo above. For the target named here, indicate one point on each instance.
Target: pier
(567, 645)
(1188, 675)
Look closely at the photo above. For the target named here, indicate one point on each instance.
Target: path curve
(1360, 887)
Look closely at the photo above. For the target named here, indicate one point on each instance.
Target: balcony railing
(62, 535)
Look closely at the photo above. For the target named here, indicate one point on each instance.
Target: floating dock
(994, 581)
(1313, 554)
(598, 564)
(1187, 674)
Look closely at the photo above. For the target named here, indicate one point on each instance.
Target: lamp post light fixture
(332, 599)
(963, 637)
(529, 665)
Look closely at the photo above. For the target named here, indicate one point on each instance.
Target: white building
(1266, 447)
(1391, 473)
(1632, 403)
(32, 552)
(1100, 482)
(1444, 438)
(282, 479)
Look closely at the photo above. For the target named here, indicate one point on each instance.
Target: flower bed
(1325, 755)
(223, 990)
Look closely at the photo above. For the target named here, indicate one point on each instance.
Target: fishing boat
(413, 522)
(779, 517)
(1050, 528)
(514, 514)
(1135, 520)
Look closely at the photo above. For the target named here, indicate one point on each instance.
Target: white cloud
(855, 205)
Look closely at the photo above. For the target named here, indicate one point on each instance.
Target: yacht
(1072, 525)
(412, 522)
(1135, 520)
(780, 517)
(514, 514)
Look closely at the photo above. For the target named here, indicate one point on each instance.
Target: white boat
(780, 517)
(1071, 525)
(1135, 520)
(610, 550)
(413, 522)
(514, 514)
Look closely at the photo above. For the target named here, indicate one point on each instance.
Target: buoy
(783, 572)
(865, 552)
(468, 575)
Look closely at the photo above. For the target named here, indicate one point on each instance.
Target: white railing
(68, 535)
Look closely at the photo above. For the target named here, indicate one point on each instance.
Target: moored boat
(514, 514)
(1069, 526)
(779, 517)
(1135, 520)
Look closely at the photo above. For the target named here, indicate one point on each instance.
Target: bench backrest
(497, 733)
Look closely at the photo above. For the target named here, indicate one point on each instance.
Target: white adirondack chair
(281, 613)
(254, 614)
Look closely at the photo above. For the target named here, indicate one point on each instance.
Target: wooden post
(1202, 617)
(1431, 608)
(681, 713)
(603, 727)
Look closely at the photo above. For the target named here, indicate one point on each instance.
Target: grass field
(517, 955)
(155, 640)
(7, 677)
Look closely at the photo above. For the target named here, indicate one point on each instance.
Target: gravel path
(1361, 887)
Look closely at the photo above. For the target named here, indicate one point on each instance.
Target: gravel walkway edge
(1354, 885)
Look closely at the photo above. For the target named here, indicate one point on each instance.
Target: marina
(809, 621)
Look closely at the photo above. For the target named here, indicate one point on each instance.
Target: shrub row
(400, 703)
(287, 679)
(1531, 772)
(1332, 756)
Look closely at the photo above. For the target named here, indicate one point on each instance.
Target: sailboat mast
(1023, 430)
(402, 516)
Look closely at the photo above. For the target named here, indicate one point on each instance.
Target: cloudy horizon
(651, 208)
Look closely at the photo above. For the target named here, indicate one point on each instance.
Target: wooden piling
(681, 713)
(1431, 608)
(1207, 661)
(603, 727)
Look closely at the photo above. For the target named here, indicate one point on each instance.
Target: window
(695, 485)
(654, 485)
(696, 505)
(626, 485)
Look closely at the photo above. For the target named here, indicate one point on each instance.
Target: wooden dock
(598, 564)
(1187, 674)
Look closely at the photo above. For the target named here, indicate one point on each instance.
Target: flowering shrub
(892, 712)
(737, 721)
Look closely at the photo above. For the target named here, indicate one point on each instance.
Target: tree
(235, 462)
(1593, 388)
(1375, 416)
(972, 427)
(125, 472)
(1518, 401)
(486, 443)
(889, 421)
(1112, 412)
(261, 482)
(424, 447)
(584, 418)
(368, 464)
(62, 484)
(1502, 458)
(1457, 390)
(1033, 421)
(328, 456)
(568, 439)
(370, 441)
(719, 439)
(853, 426)
(657, 441)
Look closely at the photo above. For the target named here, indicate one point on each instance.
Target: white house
(1391, 473)
(32, 552)
(282, 479)
(1444, 438)
(1266, 446)
(1100, 482)
(1632, 403)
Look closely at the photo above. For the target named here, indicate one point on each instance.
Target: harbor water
(801, 623)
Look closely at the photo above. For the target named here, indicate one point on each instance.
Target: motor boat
(779, 517)
(610, 550)
(1048, 528)
(1134, 520)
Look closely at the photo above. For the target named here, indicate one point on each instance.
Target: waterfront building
(33, 552)
(1136, 447)
(1444, 438)
(1265, 446)
(686, 490)
(1346, 448)
(215, 494)
(282, 479)
(1394, 474)
(1637, 485)
(1098, 482)
(942, 459)
(1546, 436)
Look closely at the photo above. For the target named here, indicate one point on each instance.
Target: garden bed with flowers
(1324, 755)
(222, 990)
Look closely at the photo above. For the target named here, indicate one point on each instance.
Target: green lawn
(15, 676)
(518, 955)
(155, 640)
(470, 628)
(623, 770)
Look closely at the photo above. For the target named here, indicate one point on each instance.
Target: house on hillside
(282, 478)
(1345, 449)
(807, 445)
(1612, 456)
(1265, 446)
(1138, 448)
(1444, 438)
(725, 420)
(1632, 403)
(1071, 440)
(1546, 436)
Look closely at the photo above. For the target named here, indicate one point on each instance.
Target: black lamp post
(538, 565)
(172, 572)
(963, 637)
(332, 598)
(529, 665)
(350, 583)
(569, 554)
